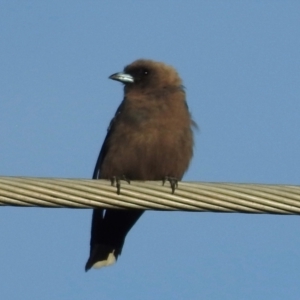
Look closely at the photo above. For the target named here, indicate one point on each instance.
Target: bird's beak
(122, 77)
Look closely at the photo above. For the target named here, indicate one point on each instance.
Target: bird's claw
(117, 180)
(173, 182)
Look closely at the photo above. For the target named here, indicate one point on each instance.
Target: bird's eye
(139, 73)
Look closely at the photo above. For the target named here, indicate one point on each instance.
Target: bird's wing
(104, 148)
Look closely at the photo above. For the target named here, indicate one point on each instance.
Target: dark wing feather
(99, 250)
(104, 148)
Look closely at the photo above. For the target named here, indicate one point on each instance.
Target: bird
(149, 138)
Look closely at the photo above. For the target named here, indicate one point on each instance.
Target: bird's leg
(117, 180)
(123, 177)
(173, 182)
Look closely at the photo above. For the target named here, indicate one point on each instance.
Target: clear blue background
(240, 63)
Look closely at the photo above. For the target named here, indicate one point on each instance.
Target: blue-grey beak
(122, 77)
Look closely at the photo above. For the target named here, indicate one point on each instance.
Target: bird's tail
(109, 229)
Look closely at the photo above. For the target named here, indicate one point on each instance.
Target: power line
(190, 196)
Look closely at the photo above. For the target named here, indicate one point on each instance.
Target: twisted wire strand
(190, 196)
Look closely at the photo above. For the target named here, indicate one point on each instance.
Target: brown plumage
(149, 138)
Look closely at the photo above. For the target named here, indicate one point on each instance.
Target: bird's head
(147, 75)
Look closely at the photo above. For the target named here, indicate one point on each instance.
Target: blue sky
(240, 63)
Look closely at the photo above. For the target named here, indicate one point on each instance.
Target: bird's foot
(117, 180)
(173, 182)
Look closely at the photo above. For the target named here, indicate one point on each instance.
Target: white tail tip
(111, 259)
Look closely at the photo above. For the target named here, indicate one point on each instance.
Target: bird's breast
(149, 150)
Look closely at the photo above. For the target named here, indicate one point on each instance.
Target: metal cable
(190, 196)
